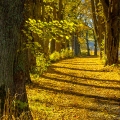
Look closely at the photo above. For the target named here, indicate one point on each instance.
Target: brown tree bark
(95, 44)
(58, 46)
(52, 46)
(87, 43)
(60, 17)
(12, 59)
(99, 25)
(111, 12)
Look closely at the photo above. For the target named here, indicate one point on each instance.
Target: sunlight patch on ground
(76, 89)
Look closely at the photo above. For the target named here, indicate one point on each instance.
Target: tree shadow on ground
(78, 106)
(99, 110)
(97, 99)
(99, 103)
(77, 63)
(79, 83)
(81, 64)
(39, 86)
(101, 70)
(90, 56)
(53, 71)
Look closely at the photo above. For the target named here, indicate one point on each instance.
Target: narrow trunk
(46, 48)
(58, 46)
(60, 17)
(52, 46)
(98, 25)
(95, 46)
(43, 11)
(87, 43)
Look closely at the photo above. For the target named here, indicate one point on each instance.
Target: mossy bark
(12, 58)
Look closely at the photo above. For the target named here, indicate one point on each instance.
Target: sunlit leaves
(50, 30)
(67, 37)
(100, 9)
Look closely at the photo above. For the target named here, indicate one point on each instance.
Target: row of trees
(106, 18)
(31, 26)
(15, 57)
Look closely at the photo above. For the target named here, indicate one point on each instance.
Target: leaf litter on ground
(76, 89)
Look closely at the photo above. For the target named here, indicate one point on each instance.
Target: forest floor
(76, 89)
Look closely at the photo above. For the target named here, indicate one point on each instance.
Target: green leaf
(67, 37)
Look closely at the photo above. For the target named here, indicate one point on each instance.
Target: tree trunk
(87, 43)
(112, 30)
(52, 46)
(12, 75)
(60, 17)
(99, 25)
(19, 85)
(58, 46)
(95, 45)
(112, 41)
(46, 48)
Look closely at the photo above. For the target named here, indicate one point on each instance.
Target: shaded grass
(76, 89)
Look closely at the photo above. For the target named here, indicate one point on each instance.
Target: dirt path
(76, 89)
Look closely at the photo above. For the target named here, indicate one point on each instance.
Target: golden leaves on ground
(76, 89)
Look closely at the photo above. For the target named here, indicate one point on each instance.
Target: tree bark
(52, 46)
(98, 25)
(12, 62)
(109, 24)
(95, 44)
(87, 44)
(60, 17)
(58, 46)
(112, 30)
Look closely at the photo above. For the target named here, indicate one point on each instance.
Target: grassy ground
(76, 89)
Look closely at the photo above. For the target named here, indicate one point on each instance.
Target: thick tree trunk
(19, 82)
(112, 43)
(12, 75)
(112, 31)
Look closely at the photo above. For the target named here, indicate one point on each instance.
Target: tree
(52, 45)
(111, 17)
(106, 21)
(99, 25)
(12, 60)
